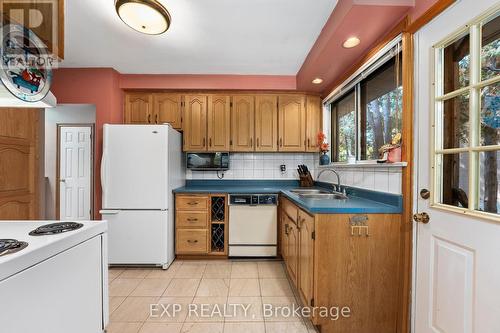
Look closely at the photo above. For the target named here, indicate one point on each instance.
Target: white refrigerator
(141, 165)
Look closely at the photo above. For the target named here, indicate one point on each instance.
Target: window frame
(438, 97)
(353, 84)
(334, 133)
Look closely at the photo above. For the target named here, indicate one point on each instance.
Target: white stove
(55, 279)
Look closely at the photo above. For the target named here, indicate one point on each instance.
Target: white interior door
(457, 275)
(75, 173)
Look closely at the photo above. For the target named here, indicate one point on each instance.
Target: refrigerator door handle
(109, 211)
(103, 173)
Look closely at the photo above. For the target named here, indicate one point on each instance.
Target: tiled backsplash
(377, 179)
(261, 166)
(267, 166)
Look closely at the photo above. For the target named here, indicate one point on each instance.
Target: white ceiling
(206, 37)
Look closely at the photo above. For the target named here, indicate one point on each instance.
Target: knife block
(306, 180)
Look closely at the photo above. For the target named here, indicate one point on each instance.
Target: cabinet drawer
(290, 209)
(191, 202)
(195, 219)
(192, 241)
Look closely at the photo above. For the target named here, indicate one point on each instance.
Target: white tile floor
(202, 289)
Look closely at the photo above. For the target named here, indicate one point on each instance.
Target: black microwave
(207, 161)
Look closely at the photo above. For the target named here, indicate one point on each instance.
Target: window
(467, 119)
(381, 105)
(368, 115)
(344, 120)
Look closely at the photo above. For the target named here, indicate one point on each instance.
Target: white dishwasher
(253, 225)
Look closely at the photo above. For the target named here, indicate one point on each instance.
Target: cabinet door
(242, 123)
(167, 109)
(292, 251)
(292, 123)
(266, 123)
(138, 108)
(218, 123)
(306, 257)
(313, 122)
(195, 129)
(284, 236)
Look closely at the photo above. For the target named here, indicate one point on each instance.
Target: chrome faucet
(337, 187)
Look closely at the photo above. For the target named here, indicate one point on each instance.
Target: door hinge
(231, 104)
(313, 235)
(312, 301)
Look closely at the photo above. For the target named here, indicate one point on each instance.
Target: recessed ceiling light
(317, 80)
(146, 16)
(351, 42)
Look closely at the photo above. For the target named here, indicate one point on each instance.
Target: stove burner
(55, 228)
(9, 246)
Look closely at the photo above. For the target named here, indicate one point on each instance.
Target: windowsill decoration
(324, 147)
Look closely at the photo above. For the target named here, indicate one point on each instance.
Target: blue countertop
(360, 200)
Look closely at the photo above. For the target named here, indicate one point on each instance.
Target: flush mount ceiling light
(146, 16)
(351, 42)
(317, 80)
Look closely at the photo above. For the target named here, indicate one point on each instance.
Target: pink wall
(98, 86)
(220, 82)
(420, 7)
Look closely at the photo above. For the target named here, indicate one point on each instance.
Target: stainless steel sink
(331, 196)
(302, 191)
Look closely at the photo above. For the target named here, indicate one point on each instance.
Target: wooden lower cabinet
(306, 257)
(333, 263)
(192, 241)
(191, 224)
(292, 263)
(201, 225)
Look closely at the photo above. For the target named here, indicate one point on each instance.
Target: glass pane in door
(455, 179)
(489, 181)
(456, 64)
(490, 115)
(456, 122)
(490, 49)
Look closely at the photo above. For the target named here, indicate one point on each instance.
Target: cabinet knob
(192, 241)
(156, 119)
(149, 118)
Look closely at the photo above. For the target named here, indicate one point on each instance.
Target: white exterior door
(75, 173)
(456, 269)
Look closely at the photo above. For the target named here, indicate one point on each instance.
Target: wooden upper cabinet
(306, 257)
(266, 123)
(313, 122)
(195, 123)
(242, 123)
(292, 123)
(219, 123)
(139, 108)
(167, 109)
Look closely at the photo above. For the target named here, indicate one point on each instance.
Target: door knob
(62, 180)
(425, 194)
(421, 217)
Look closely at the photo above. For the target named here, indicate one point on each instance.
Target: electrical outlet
(283, 168)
